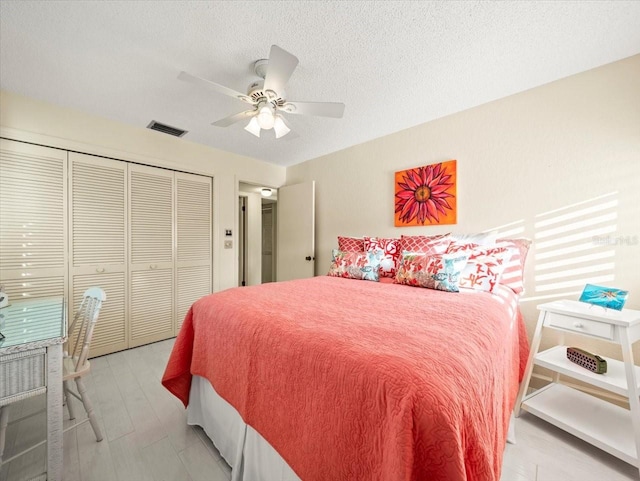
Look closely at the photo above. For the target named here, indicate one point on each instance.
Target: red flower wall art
(426, 195)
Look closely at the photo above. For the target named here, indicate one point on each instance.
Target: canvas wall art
(426, 195)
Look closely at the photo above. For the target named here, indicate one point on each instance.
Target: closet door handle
(100, 270)
(153, 266)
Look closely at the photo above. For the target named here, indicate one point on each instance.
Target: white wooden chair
(75, 361)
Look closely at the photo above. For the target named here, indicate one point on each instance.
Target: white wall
(519, 158)
(30, 120)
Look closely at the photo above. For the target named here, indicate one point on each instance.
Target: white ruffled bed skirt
(251, 457)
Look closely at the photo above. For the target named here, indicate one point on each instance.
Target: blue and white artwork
(608, 297)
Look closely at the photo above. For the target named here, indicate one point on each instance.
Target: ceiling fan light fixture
(280, 127)
(253, 127)
(266, 117)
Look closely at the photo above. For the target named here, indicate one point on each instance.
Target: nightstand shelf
(605, 425)
(614, 380)
(602, 424)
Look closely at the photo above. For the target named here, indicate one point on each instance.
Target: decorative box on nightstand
(603, 424)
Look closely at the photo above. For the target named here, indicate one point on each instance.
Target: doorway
(268, 240)
(257, 238)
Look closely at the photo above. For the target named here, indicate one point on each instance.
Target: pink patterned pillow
(351, 244)
(484, 268)
(513, 275)
(430, 244)
(435, 244)
(461, 247)
(391, 249)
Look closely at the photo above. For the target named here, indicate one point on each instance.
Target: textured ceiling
(394, 64)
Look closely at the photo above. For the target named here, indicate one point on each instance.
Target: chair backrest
(84, 322)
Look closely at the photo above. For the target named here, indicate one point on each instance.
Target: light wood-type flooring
(146, 437)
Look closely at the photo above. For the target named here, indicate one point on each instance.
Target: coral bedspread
(357, 380)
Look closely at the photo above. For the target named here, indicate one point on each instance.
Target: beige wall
(29, 120)
(519, 159)
(564, 153)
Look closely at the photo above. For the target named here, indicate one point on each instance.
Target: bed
(338, 379)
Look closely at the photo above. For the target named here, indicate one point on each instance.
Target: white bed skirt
(250, 456)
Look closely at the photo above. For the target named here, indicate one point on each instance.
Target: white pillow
(482, 238)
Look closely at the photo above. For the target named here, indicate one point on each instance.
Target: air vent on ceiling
(167, 129)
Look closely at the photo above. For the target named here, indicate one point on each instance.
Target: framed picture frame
(426, 195)
(607, 297)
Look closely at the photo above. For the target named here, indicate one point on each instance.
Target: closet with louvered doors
(98, 232)
(33, 220)
(151, 255)
(193, 241)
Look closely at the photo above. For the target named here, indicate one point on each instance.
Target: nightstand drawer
(579, 325)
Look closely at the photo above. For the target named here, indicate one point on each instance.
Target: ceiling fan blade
(187, 77)
(321, 109)
(232, 119)
(279, 69)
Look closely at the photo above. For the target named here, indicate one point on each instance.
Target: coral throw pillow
(428, 244)
(351, 244)
(435, 244)
(391, 250)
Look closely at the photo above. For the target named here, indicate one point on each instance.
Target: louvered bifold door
(33, 229)
(193, 241)
(151, 259)
(98, 245)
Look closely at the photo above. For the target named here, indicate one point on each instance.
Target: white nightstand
(603, 424)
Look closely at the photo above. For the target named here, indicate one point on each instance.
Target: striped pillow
(513, 274)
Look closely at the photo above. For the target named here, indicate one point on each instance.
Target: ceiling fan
(267, 96)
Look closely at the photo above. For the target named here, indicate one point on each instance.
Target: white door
(98, 246)
(33, 220)
(296, 231)
(151, 265)
(193, 241)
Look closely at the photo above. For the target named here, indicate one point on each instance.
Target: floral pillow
(435, 244)
(485, 266)
(391, 250)
(356, 265)
(437, 271)
(351, 244)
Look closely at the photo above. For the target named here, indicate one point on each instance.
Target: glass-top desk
(31, 363)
